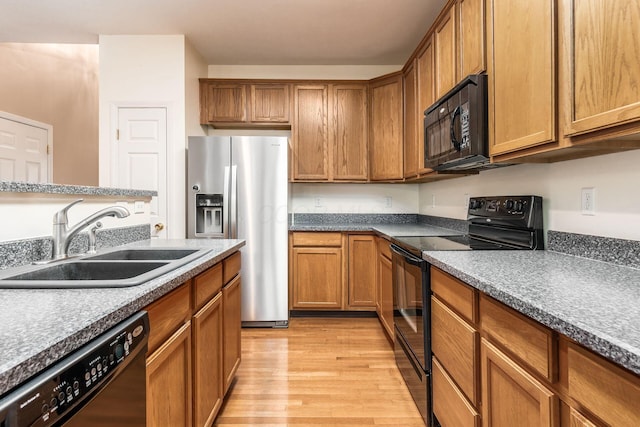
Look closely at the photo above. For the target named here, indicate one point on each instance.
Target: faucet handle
(60, 217)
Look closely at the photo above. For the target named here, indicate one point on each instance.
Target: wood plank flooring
(319, 372)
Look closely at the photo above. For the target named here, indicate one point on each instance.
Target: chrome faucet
(62, 235)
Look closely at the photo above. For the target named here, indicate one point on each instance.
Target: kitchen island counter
(40, 326)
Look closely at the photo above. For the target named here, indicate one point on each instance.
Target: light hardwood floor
(319, 372)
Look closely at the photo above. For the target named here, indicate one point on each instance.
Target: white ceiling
(237, 32)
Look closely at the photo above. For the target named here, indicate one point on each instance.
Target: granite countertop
(80, 190)
(388, 230)
(40, 326)
(592, 302)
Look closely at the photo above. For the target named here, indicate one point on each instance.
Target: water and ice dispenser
(209, 215)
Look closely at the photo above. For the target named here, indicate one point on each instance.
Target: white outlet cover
(588, 201)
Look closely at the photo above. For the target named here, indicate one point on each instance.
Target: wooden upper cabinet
(522, 74)
(602, 44)
(472, 37)
(446, 52)
(349, 131)
(222, 102)
(385, 141)
(411, 123)
(425, 83)
(310, 133)
(270, 103)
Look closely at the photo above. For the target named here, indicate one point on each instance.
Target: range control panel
(43, 400)
(518, 211)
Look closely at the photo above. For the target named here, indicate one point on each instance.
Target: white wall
(147, 71)
(615, 178)
(354, 198)
(320, 72)
(195, 68)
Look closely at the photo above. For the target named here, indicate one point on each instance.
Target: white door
(141, 159)
(23, 152)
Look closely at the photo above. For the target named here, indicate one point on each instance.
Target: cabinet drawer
(206, 285)
(167, 314)
(531, 342)
(231, 266)
(383, 247)
(455, 344)
(317, 239)
(606, 390)
(449, 404)
(460, 297)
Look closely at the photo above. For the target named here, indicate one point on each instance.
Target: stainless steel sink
(90, 271)
(145, 254)
(117, 268)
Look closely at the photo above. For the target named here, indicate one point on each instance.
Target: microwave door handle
(454, 140)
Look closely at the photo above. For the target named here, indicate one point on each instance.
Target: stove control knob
(519, 206)
(509, 205)
(473, 204)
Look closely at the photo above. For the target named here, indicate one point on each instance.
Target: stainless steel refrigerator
(237, 189)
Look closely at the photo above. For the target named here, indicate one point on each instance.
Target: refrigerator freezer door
(207, 184)
(261, 180)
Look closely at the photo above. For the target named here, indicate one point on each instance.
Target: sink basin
(115, 269)
(90, 271)
(145, 254)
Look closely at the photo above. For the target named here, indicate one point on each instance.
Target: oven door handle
(409, 258)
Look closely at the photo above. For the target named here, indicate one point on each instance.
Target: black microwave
(455, 127)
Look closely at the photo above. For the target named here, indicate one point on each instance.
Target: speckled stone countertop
(80, 190)
(592, 302)
(388, 230)
(40, 326)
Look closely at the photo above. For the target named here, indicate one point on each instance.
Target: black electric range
(503, 222)
(495, 223)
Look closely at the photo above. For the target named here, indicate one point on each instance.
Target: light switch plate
(138, 207)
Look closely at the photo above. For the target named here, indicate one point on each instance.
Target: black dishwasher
(101, 384)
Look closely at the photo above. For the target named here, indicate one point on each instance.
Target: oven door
(411, 303)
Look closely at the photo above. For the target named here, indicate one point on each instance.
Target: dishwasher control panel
(61, 389)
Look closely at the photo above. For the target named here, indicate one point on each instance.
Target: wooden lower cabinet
(207, 362)
(362, 275)
(194, 348)
(385, 290)
(511, 396)
(449, 405)
(169, 381)
(317, 278)
(231, 307)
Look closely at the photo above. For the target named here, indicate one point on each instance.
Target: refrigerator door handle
(225, 204)
(233, 216)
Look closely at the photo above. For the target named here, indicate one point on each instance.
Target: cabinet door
(385, 276)
(169, 381)
(511, 396)
(522, 73)
(386, 134)
(207, 362)
(310, 137)
(317, 278)
(602, 41)
(224, 103)
(232, 324)
(362, 271)
(425, 81)
(472, 37)
(446, 52)
(349, 129)
(412, 121)
(270, 103)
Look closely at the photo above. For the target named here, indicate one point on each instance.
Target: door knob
(159, 226)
